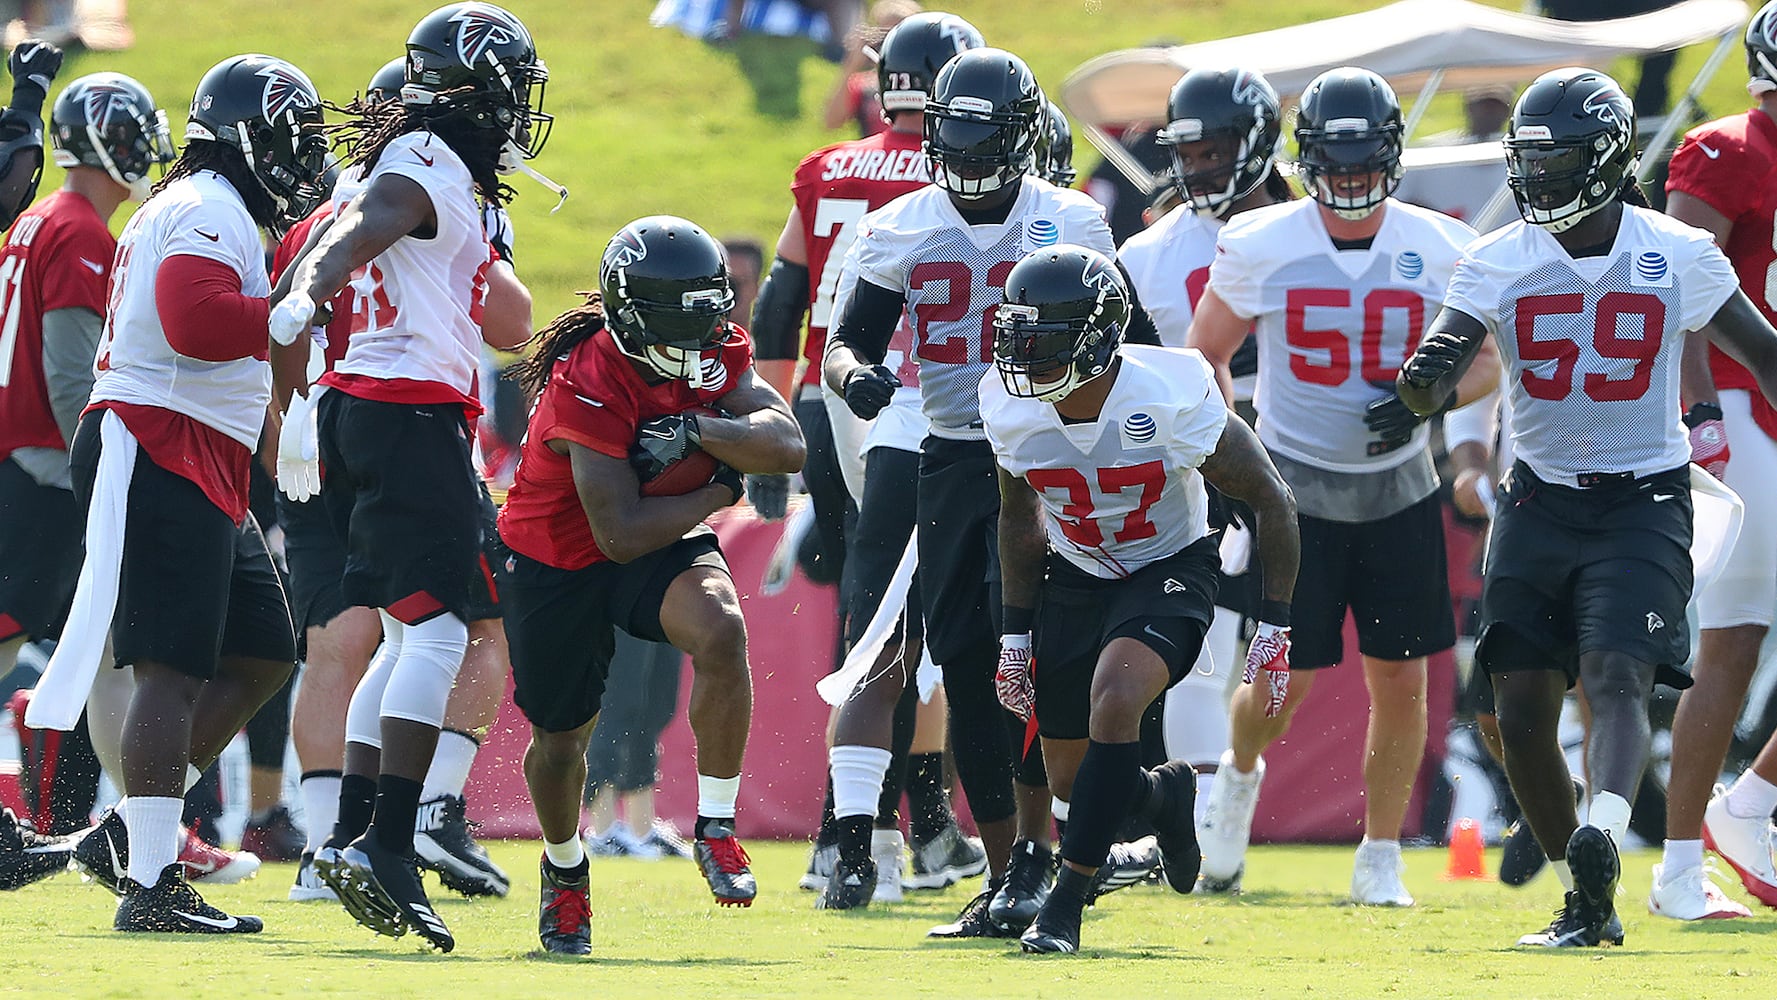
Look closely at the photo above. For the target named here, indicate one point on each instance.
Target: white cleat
(308, 887)
(1227, 825)
(1691, 895)
(889, 850)
(1745, 843)
(1376, 877)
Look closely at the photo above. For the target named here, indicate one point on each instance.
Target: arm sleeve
(70, 340)
(777, 313)
(1476, 423)
(204, 313)
(1468, 293)
(869, 320)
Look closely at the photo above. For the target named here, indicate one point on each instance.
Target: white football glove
(1269, 655)
(299, 448)
(1012, 682)
(292, 318)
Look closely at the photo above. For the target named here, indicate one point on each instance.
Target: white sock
(1205, 782)
(1610, 813)
(565, 855)
(1752, 797)
(1681, 855)
(1059, 808)
(1387, 846)
(715, 796)
(153, 825)
(1564, 873)
(320, 807)
(450, 765)
(857, 779)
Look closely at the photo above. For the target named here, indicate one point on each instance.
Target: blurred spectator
(623, 758)
(1123, 200)
(1652, 89)
(854, 96)
(99, 25)
(1484, 113)
(746, 265)
(1462, 190)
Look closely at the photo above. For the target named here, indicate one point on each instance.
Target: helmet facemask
(1559, 184)
(671, 338)
(1047, 360)
(1211, 193)
(976, 151)
(1346, 149)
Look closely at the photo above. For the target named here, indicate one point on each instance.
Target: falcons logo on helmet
(286, 90)
(625, 249)
(1606, 106)
(480, 27)
(102, 100)
(1101, 276)
(1252, 90)
(952, 29)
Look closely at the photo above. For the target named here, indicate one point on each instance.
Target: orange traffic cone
(1468, 857)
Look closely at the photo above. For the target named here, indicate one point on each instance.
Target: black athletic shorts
(1573, 571)
(40, 536)
(194, 586)
(1166, 606)
(559, 624)
(1391, 574)
(400, 488)
(958, 502)
(879, 538)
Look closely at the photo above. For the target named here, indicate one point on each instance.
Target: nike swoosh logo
(95, 266)
(588, 402)
(200, 867)
(1712, 154)
(1149, 630)
(207, 236)
(423, 158)
(197, 918)
(1663, 497)
(118, 868)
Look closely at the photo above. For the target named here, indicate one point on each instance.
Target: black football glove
(727, 475)
(663, 441)
(770, 496)
(869, 388)
(1437, 356)
(1389, 419)
(33, 65)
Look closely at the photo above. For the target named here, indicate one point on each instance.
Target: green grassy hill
(649, 120)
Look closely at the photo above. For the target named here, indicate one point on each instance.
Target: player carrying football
(626, 384)
(1588, 566)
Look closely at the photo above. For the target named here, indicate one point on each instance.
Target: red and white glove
(1011, 682)
(1709, 447)
(1268, 658)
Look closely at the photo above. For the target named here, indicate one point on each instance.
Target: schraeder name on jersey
(879, 165)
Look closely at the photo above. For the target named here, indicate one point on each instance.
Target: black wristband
(1701, 413)
(1017, 621)
(1275, 613)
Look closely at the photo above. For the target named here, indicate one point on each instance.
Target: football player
(33, 64)
(1337, 287)
(1109, 569)
(1588, 566)
(393, 429)
(941, 254)
(625, 384)
(1724, 179)
(1055, 148)
(1222, 134)
(177, 571)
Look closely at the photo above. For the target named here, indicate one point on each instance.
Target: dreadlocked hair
(370, 126)
(553, 342)
(205, 154)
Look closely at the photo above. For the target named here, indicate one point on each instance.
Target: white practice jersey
(1168, 263)
(197, 216)
(902, 424)
(1592, 346)
(1334, 326)
(952, 274)
(1123, 491)
(417, 307)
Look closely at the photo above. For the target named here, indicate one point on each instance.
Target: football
(688, 473)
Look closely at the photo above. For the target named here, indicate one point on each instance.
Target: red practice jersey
(833, 188)
(596, 398)
(340, 326)
(57, 256)
(1731, 165)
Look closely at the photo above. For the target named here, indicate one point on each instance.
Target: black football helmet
(109, 121)
(1238, 111)
(1570, 147)
(1055, 148)
(982, 123)
(667, 297)
(1761, 50)
(267, 109)
(387, 83)
(912, 54)
(475, 64)
(1349, 127)
(1061, 322)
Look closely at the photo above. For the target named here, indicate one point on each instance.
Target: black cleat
(382, 891)
(725, 866)
(848, 888)
(27, 856)
(276, 839)
(1175, 825)
(945, 860)
(1523, 858)
(172, 906)
(103, 852)
(1128, 864)
(1588, 916)
(1055, 931)
(974, 921)
(1029, 877)
(443, 841)
(564, 921)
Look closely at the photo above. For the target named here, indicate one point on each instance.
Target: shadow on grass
(773, 66)
(608, 961)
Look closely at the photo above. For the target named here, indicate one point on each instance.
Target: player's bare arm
(392, 207)
(506, 312)
(760, 437)
(626, 524)
(1240, 468)
(778, 312)
(1217, 333)
(1437, 368)
(1694, 211)
(853, 365)
(1023, 544)
(1743, 333)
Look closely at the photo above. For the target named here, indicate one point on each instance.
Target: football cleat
(945, 860)
(1055, 931)
(1588, 917)
(974, 921)
(725, 866)
(102, 854)
(1175, 825)
(1227, 824)
(172, 906)
(382, 890)
(1746, 844)
(1128, 864)
(1029, 877)
(888, 849)
(1376, 876)
(27, 856)
(205, 862)
(1523, 858)
(276, 839)
(821, 862)
(444, 843)
(564, 918)
(849, 888)
(308, 887)
(1691, 895)
(665, 838)
(616, 841)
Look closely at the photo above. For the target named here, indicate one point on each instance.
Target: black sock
(1106, 784)
(704, 822)
(1148, 796)
(357, 800)
(397, 805)
(854, 839)
(573, 874)
(1071, 886)
(927, 801)
(828, 834)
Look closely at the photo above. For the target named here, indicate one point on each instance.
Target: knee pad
(423, 675)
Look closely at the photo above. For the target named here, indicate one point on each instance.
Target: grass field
(656, 933)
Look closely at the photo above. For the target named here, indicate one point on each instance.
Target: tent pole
(1120, 157)
(1421, 103)
(1662, 140)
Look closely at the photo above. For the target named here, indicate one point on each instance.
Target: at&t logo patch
(1651, 268)
(1139, 428)
(1041, 233)
(1410, 265)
